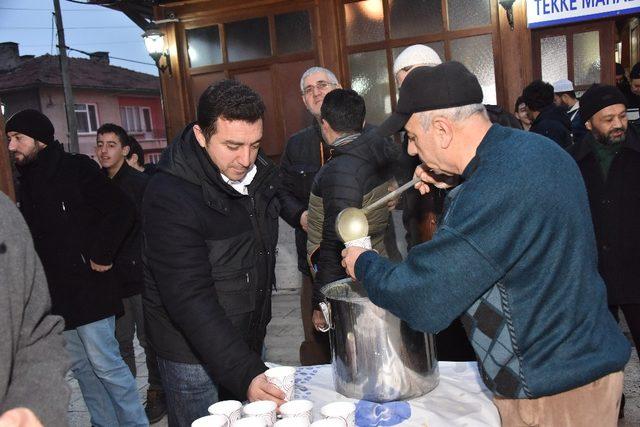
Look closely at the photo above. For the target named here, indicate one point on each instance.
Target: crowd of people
(523, 241)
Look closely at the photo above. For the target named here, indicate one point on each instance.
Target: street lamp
(508, 7)
(155, 43)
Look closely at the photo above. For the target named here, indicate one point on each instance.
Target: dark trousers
(189, 391)
(632, 316)
(314, 350)
(127, 325)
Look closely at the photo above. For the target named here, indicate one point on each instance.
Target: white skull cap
(415, 55)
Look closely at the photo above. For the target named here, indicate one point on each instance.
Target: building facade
(269, 43)
(103, 93)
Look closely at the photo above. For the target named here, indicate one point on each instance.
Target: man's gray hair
(455, 114)
(332, 77)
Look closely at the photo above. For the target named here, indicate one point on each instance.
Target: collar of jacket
(185, 159)
(583, 148)
(45, 164)
(124, 170)
(552, 112)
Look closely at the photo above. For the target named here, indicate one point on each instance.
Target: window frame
(446, 36)
(97, 119)
(136, 111)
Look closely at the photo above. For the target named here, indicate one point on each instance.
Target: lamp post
(154, 41)
(508, 7)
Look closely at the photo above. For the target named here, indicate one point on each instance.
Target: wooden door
(582, 53)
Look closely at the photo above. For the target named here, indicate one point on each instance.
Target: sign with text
(544, 13)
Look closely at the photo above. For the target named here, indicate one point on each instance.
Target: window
(250, 39)
(136, 119)
(86, 118)
(154, 157)
(376, 31)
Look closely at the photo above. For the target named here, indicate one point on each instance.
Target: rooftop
(95, 73)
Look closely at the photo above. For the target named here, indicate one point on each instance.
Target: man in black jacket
(609, 160)
(303, 156)
(112, 148)
(565, 97)
(210, 227)
(78, 220)
(359, 173)
(547, 119)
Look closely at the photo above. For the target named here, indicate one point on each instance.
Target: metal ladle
(352, 223)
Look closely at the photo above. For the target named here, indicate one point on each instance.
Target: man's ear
(444, 131)
(202, 141)
(588, 125)
(125, 150)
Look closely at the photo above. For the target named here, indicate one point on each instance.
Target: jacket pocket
(236, 292)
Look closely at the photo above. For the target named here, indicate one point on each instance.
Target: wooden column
(515, 51)
(6, 178)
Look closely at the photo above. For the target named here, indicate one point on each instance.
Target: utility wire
(111, 57)
(37, 9)
(73, 28)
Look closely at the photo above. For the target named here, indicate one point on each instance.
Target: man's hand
(318, 321)
(100, 268)
(261, 389)
(428, 176)
(19, 417)
(391, 204)
(349, 258)
(304, 220)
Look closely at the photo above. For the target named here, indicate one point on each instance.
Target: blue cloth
(189, 391)
(108, 388)
(381, 414)
(515, 254)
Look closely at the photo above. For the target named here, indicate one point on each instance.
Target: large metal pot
(375, 355)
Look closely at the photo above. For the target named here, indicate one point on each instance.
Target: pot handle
(326, 312)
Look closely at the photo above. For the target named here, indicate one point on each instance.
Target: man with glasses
(304, 154)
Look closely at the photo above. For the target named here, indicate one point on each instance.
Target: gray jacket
(33, 361)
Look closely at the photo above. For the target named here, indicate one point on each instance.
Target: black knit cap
(447, 85)
(31, 123)
(597, 97)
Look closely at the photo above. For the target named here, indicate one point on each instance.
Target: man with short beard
(609, 160)
(78, 220)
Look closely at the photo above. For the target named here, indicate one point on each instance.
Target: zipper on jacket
(254, 218)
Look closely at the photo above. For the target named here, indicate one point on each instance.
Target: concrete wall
(107, 108)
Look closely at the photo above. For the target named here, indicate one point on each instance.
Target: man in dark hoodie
(547, 119)
(358, 174)
(210, 227)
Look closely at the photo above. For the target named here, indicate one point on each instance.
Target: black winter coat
(303, 156)
(356, 169)
(554, 123)
(75, 214)
(128, 262)
(209, 256)
(615, 210)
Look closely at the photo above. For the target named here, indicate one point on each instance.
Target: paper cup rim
(224, 402)
(351, 406)
(258, 403)
(276, 372)
(200, 420)
(286, 405)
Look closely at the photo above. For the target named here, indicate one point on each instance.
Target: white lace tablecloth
(461, 399)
